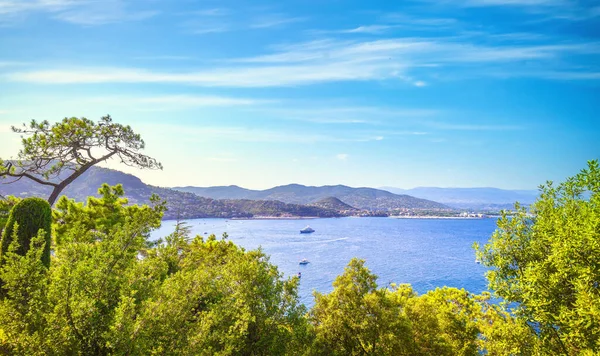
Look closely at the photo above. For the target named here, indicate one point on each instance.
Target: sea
(426, 253)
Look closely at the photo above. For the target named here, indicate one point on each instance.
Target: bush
(27, 217)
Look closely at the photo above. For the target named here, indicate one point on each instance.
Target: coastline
(279, 218)
(439, 217)
(317, 217)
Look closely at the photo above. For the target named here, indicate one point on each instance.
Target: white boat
(303, 261)
(307, 230)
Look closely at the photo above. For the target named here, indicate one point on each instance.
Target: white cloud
(206, 27)
(274, 20)
(92, 17)
(421, 23)
(177, 100)
(83, 12)
(163, 57)
(223, 20)
(342, 156)
(16, 6)
(220, 77)
(471, 127)
(371, 29)
(211, 12)
(547, 9)
(253, 134)
(332, 61)
(419, 83)
(326, 113)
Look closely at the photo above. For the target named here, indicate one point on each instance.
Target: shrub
(28, 216)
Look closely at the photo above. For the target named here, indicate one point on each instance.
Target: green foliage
(359, 319)
(25, 220)
(100, 216)
(502, 334)
(55, 155)
(109, 291)
(23, 328)
(547, 261)
(444, 322)
(222, 300)
(6, 205)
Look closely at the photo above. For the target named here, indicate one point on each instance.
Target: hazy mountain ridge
(471, 198)
(333, 203)
(184, 205)
(360, 198)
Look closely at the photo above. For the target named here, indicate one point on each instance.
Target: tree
(109, 291)
(74, 221)
(26, 219)
(56, 155)
(357, 318)
(546, 261)
(6, 205)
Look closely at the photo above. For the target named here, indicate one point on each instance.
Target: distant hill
(221, 192)
(333, 203)
(183, 204)
(360, 198)
(471, 198)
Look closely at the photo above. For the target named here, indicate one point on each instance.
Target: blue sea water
(427, 253)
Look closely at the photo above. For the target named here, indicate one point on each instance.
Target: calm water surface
(426, 253)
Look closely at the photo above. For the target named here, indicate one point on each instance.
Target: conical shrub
(28, 216)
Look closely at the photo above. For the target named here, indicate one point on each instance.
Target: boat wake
(315, 242)
(334, 240)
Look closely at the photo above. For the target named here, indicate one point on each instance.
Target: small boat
(303, 261)
(307, 230)
(477, 261)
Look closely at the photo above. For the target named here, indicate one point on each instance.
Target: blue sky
(470, 93)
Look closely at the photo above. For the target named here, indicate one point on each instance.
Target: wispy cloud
(471, 127)
(346, 114)
(402, 59)
(342, 156)
(210, 12)
(400, 19)
(220, 20)
(547, 9)
(274, 20)
(204, 27)
(176, 101)
(16, 6)
(83, 12)
(163, 57)
(370, 29)
(255, 134)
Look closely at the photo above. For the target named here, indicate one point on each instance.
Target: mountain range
(180, 204)
(230, 202)
(292, 200)
(359, 198)
(471, 198)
